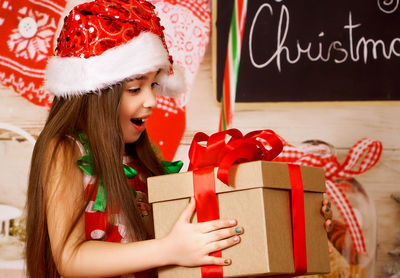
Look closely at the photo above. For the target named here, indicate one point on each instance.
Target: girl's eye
(134, 90)
(154, 84)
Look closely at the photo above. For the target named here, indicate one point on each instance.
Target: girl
(87, 211)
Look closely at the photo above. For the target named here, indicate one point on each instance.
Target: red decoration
(95, 27)
(362, 156)
(166, 126)
(298, 221)
(27, 30)
(207, 210)
(218, 153)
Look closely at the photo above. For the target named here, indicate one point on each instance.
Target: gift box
(259, 197)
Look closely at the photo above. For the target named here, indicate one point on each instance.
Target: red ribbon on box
(256, 145)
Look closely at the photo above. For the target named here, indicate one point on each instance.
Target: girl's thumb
(188, 212)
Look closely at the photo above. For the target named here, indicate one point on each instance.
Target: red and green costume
(96, 213)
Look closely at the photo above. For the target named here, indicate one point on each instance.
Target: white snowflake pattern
(37, 47)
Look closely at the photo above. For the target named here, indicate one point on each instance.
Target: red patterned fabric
(24, 51)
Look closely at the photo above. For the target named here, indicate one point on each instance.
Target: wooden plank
(18, 111)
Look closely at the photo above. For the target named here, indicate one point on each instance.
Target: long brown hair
(97, 114)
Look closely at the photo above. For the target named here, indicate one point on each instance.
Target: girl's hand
(189, 244)
(327, 213)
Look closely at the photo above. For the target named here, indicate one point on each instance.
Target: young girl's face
(137, 102)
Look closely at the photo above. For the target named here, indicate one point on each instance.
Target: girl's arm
(187, 244)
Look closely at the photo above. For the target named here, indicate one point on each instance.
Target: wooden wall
(340, 123)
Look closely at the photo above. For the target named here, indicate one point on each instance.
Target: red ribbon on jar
(362, 156)
(256, 145)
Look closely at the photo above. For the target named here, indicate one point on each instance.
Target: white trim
(21, 66)
(21, 71)
(70, 76)
(18, 131)
(49, 5)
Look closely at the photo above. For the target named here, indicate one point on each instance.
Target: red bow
(217, 153)
(239, 149)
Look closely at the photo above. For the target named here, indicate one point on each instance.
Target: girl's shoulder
(62, 177)
(62, 153)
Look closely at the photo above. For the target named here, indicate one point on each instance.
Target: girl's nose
(150, 100)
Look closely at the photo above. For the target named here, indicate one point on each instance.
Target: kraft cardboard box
(258, 197)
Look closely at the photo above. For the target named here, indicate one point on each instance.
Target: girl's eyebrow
(140, 77)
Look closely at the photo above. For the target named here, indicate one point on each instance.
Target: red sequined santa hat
(104, 42)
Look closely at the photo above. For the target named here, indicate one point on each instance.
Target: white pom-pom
(173, 85)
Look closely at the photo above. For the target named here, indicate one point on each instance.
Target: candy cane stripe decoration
(232, 62)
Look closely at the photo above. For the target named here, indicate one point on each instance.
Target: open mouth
(138, 122)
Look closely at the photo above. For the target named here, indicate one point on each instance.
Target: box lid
(255, 174)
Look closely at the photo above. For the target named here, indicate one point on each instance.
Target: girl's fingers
(326, 202)
(225, 233)
(328, 225)
(326, 212)
(211, 260)
(188, 212)
(326, 209)
(222, 244)
(209, 226)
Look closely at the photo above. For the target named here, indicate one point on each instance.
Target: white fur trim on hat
(71, 76)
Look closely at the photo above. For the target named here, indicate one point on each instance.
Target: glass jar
(345, 261)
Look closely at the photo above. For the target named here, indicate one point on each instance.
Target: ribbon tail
(212, 271)
(130, 173)
(172, 167)
(298, 221)
(365, 153)
(85, 164)
(342, 203)
(100, 201)
(207, 209)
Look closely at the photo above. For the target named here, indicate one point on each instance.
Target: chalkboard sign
(313, 50)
